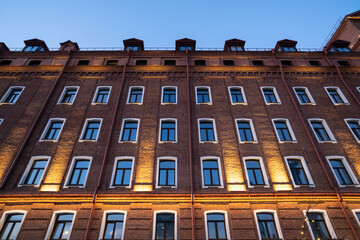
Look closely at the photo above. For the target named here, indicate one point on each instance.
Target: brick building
(181, 143)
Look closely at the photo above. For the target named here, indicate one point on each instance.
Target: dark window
(11, 226)
(320, 131)
(341, 173)
(165, 225)
(355, 128)
(343, 63)
(286, 63)
(258, 63)
(79, 172)
(12, 95)
(297, 172)
(283, 131)
(36, 172)
(141, 62)
(207, 131)
(269, 95)
(166, 173)
(200, 63)
(358, 216)
(254, 172)
(211, 173)
(184, 47)
(53, 130)
(216, 226)
(122, 173)
(203, 95)
(5, 62)
(69, 95)
(318, 225)
(83, 62)
(113, 226)
(288, 48)
(229, 63)
(235, 48)
(62, 226)
(91, 130)
(245, 131)
(314, 63)
(33, 49)
(129, 131)
(267, 226)
(169, 95)
(112, 62)
(135, 95)
(170, 62)
(34, 63)
(168, 131)
(335, 96)
(236, 95)
(102, 95)
(302, 95)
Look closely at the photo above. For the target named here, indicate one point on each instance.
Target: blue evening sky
(105, 23)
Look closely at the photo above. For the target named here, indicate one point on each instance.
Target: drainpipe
(318, 154)
(193, 237)
(33, 126)
(107, 147)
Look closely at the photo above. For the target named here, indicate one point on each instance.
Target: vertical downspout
(25, 141)
(318, 155)
(106, 152)
(193, 237)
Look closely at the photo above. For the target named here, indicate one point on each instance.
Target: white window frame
(137, 130)
(354, 212)
(28, 167)
(215, 132)
(52, 222)
(8, 93)
(358, 88)
(96, 93)
(263, 171)
(312, 101)
(348, 169)
(275, 93)
(306, 170)
(85, 126)
(160, 129)
(338, 90)
(51, 120)
(103, 221)
(219, 169)
(162, 95)
(353, 120)
(276, 220)
(227, 227)
(114, 171)
(158, 173)
(327, 222)
(63, 93)
(242, 93)
(142, 96)
(68, 175)
(327, 129)
(175, 222)
(6, 213)
(251, 127)
(292, 134)
(196, 94)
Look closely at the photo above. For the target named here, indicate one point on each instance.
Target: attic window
(184, 47)
(228, 63)
(83, 62)
(133, 47)
(199, 63)
(258, 63)
(235, 48)
(141, 62)
(170, 62)
(340, 49)
(34, 63)
(5, 62)
(287, 48)
(34, 49)
(286, 63)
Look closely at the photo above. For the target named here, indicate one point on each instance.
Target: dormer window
(34, 49)
(35, 45)
(184, 47)
(234, 45)
(340, 46)
(235, 48)
(132, 47)
(340, 49)
(286, 45)
(185, 44)
(133, 44)
(287, 48)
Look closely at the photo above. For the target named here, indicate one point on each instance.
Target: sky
(106, 23)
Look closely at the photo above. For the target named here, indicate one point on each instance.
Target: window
(268, 225)
(11, 222)
(284, 131)
(217, 226)
(286, 63)
(12, 95)
(122, 173)
(133, 47)
(304, 95)
(203, 95)
(300, 175)
(129, 130)
(354, 126)
(164, 225)
(211, 172)
(235, 48)
(112, 62)
(91, 129)
(68, 95)
(207, 130)
(53, 129)
(141, 62)
(342, 171)
(102, 95)
(336, 95)
(5, 62)
(343, 63)
(321, 130)
(340, 49)
(34, 63)
(79, 171)
(169, 95)
(83, 62)
(200, 63)
(255, 172)
(246, 130)
(168, 130)
(257, 63)
(113, 225)
(34, 172)
(314, 63)
(237, 95)
(357, 215)
(170, 62)
(166, 172)
(184, 47)
(270, 95)
(229, 63)
(135, 95)
(33, 49)
(358, 88)
(287, 48)
(61, 225)
(319, 224)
